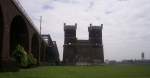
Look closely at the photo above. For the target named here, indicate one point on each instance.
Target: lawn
(104, 71)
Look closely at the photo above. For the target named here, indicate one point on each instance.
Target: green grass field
(105, 71)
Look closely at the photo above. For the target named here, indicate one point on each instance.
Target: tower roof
(70, 27)
(95, 27)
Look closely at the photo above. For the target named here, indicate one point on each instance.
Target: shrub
(31, 59)
(22, 58)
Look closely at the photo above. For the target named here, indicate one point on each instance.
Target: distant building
(83, 52)
(142, 55)
(146, 61)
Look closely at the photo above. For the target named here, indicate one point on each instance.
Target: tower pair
(83, 52)
(95, 33)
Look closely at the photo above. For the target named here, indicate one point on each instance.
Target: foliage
(22, 58)
(31, 59)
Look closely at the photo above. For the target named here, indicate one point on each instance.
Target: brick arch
(19, 33)
(35, 46)
(1, 30)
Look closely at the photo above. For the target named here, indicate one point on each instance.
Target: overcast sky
(126, 31)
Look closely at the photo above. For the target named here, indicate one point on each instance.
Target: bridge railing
(20, 7)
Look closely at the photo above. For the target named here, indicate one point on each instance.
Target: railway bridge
(17, 28)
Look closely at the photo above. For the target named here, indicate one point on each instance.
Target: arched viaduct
(17, 28)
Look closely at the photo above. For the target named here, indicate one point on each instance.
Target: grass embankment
(106, 71)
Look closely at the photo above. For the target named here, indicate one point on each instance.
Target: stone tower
(69, 43)
(83, 52)
(95, 39)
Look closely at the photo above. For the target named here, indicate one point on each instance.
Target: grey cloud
(98, 18)
(122, 0)
(91, 4)
(108, 12)
(66, 1)
(47, 7)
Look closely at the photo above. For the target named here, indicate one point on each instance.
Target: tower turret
(95, 34)
(70, 33)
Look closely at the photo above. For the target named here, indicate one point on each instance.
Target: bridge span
(17, 28)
